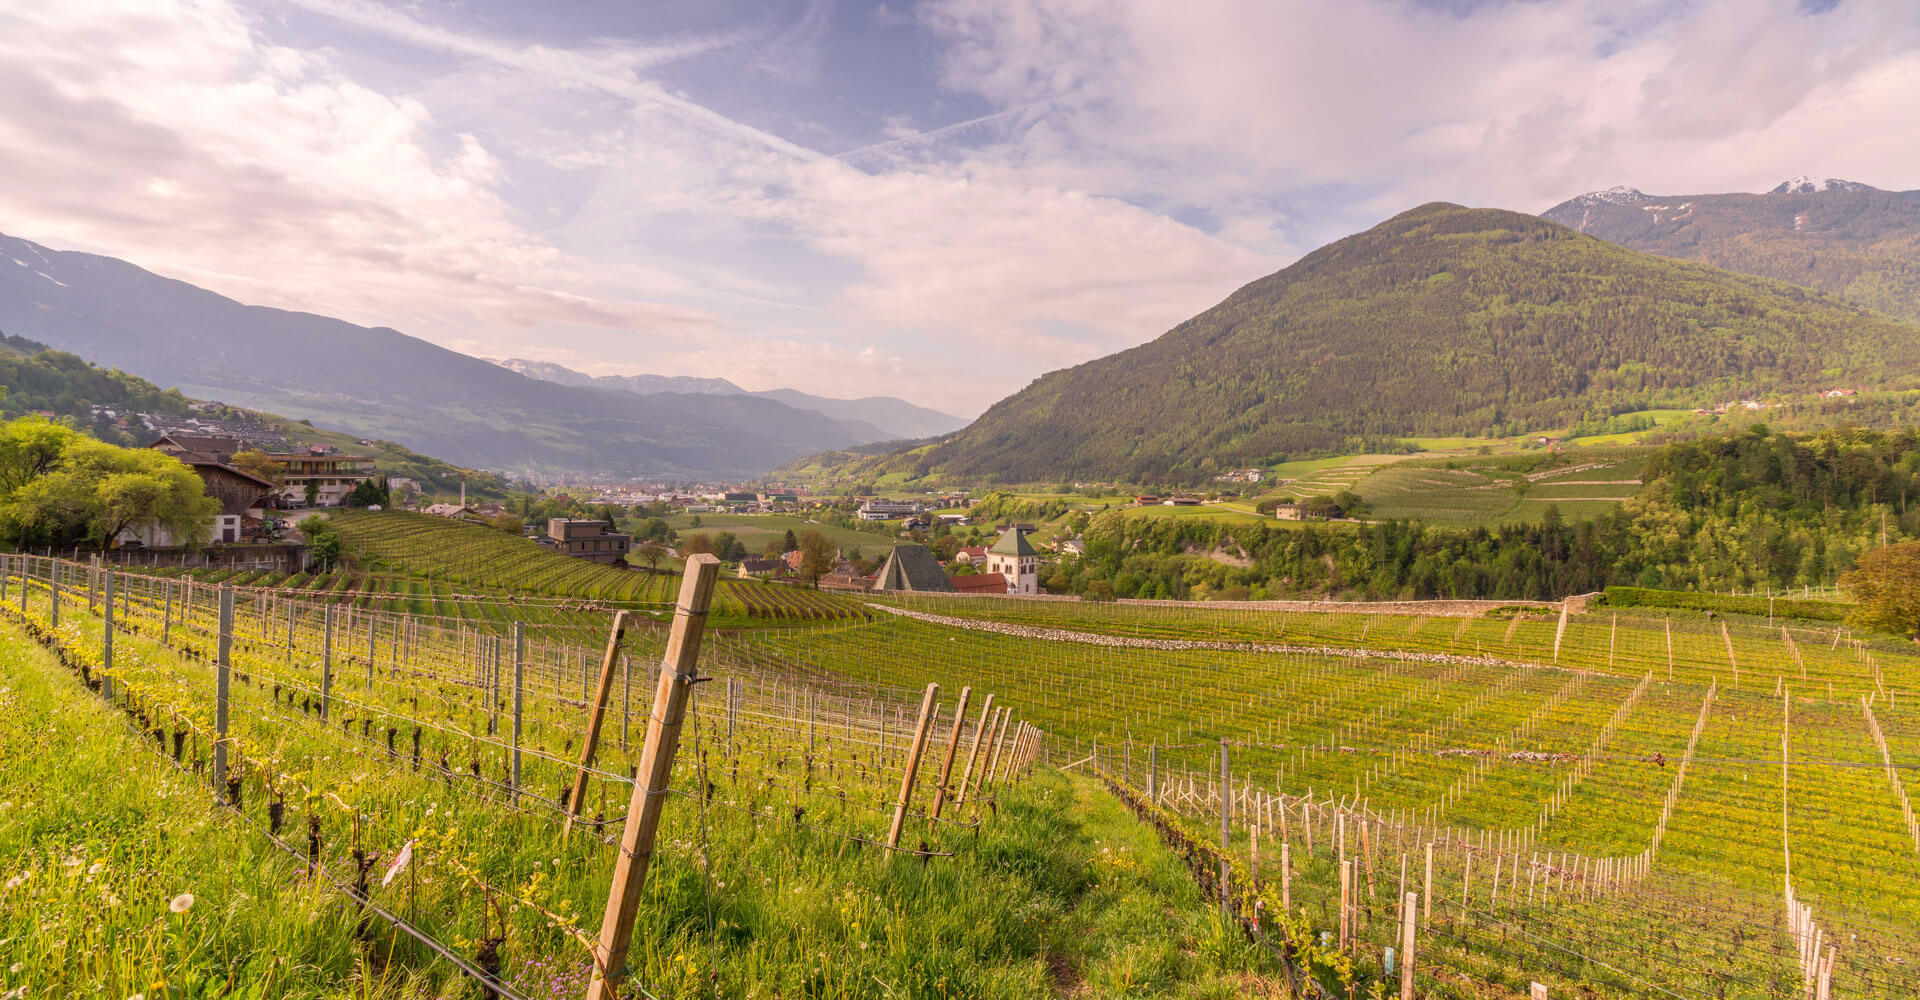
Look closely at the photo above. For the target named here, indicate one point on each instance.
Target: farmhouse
(762, 567)
(240, 493)
(970, 555)
(586, 539)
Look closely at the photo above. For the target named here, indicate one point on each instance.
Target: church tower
(1015, 558)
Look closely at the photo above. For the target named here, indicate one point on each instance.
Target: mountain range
(380, 383)
(893, 419)
(1443, 320)
(1843, 237)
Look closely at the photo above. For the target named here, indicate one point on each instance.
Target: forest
(1747, 510)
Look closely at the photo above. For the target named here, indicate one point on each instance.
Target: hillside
(1841, 237)
(1440, 321)
(889, 418)
(107, 403)
(377, 382)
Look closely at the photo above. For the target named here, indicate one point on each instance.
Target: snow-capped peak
(1617, 195)
(1813, 185)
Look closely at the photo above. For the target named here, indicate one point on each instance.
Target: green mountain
(1441, 321)
(1841, 237)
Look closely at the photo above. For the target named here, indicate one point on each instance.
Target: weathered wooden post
(1406, 945)
(1153, 773)
(946, 764)
(973, 754)
(913, 765)
(597, 715)
(53, 587)
(223, 670)
(106, 641)
(677, 677)
(1226, 817)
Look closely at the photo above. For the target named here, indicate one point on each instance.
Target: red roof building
(980, 583)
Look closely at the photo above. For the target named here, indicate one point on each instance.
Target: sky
(938, 200)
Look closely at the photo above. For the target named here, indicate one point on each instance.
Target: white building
(1015, 558)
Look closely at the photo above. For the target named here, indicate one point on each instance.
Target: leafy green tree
(323, 541)
(61, 490)
(816, 556)
(1885, 586)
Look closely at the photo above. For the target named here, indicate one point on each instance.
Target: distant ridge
(380, 383)
(889, 418)
(1844, 237)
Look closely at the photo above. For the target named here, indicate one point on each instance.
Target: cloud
(172, 134)
(1389, 103)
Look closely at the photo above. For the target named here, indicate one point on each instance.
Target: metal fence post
(519, 699)
(106, 643)
(222, 675)
(326, 663)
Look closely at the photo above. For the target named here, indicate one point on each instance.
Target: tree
(369, 492)
(696, 544)
(256, 463)
(651, 552)
(74, 490)
(323, 541)
(816, 556)
(791, 543)
(1885, 586)
(723, 544)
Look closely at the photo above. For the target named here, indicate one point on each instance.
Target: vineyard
(1460, 804)
(428, 559)
(415, 777)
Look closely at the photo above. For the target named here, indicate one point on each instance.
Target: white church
(1014, 557)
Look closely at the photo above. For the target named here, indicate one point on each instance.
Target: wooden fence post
(973, 754)
(1226, 817)
(913, 765)
(677, 677)
(597, 715)
(1406, 945)
(946, 765)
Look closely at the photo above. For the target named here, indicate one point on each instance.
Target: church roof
(1013, 543)
(913, 567)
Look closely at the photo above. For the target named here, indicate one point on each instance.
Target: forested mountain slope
(1440, 321)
